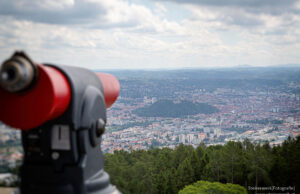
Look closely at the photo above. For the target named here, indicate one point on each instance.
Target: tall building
(182, 138)
(217, 132)
(190, 138)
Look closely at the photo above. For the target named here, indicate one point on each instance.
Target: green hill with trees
(215, 187)
(167, 108)
(170, 170)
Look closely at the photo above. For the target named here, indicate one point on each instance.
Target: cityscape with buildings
(256, 115)
(10, 147)
(251, 104)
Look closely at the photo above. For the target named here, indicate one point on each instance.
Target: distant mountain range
(281, 72)
(167, 108)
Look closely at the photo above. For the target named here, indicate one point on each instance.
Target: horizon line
(200, 68)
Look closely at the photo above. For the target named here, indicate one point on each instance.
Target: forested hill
(167, 108)
(168, 171)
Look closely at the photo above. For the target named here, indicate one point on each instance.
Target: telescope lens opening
(4, 76)
(9, 74)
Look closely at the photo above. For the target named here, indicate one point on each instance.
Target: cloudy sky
(147, 34)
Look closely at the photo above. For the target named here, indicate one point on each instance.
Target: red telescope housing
(111, 88)
(62, 112)
(46, 98)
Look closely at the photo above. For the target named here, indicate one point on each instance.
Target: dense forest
(170, 170)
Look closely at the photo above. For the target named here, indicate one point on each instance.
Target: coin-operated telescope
(61, 111)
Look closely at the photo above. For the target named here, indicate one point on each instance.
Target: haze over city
(140, 34)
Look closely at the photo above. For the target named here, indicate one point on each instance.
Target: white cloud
(118, 34)
(43, 4)
(160, 9)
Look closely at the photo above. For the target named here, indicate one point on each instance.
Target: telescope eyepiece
(9, 74)
(17, 73)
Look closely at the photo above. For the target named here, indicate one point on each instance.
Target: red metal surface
(47, 100)
(111, 88)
